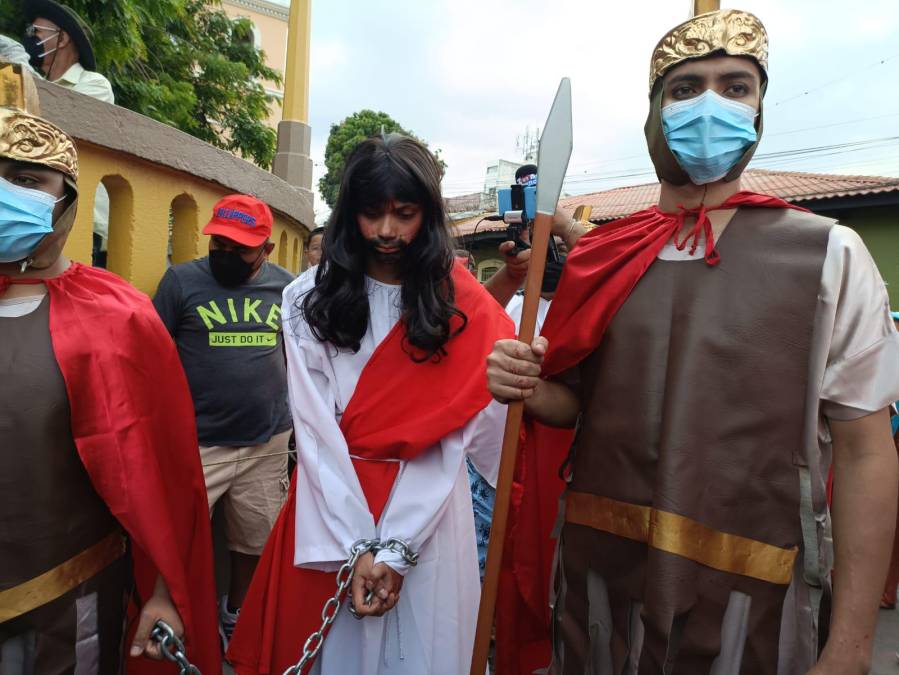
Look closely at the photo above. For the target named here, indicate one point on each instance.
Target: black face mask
(551, 275)
(37, 52)
(229, 269)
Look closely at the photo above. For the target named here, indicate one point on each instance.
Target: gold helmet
(726, 32)
(27, 138)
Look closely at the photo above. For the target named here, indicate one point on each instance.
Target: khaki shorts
(252, 490)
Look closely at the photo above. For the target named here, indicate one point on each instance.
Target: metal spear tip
(555, 150)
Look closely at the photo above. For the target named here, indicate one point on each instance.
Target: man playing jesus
(386, 341)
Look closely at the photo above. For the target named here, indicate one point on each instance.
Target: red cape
(399, 409)
(606, 265)
(599, 274)
(522, 601)
(133, 425)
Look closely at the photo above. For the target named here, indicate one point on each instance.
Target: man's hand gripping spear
(552, 162)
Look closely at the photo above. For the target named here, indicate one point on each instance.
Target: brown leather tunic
(694, 405)
(51, 512)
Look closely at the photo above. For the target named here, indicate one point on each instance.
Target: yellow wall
(141, 194)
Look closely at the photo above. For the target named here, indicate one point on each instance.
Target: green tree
(347, 135)
(182, 62)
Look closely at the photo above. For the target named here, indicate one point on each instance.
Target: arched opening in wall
(183, 231)
(282, 249)
(100, 245)
(115, 248)
(245, 31)
(295, 258)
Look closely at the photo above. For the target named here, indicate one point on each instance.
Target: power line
(768, 160)
(854, 73)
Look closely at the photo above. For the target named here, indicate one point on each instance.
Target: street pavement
(885, 646)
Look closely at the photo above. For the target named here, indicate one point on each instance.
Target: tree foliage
(347, 135)
(182, 62)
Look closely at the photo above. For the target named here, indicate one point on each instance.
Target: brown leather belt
(58, 581)
(682, 536)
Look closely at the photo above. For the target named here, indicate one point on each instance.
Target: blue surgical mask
(26, 217)
(708, 134)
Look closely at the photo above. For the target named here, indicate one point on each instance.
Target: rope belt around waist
(58, 581)
(682, 536)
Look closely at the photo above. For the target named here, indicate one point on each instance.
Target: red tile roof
(792, 186)
(463, 203)
(467, 226)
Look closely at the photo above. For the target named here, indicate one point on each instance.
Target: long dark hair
(381, 169)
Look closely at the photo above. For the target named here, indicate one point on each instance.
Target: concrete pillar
(292, 162)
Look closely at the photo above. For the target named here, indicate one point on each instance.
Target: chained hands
(378, 579)
(159, 606)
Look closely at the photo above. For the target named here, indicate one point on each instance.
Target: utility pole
(527, 144)
(292, 161)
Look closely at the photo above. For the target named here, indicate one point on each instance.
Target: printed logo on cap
(234, 214)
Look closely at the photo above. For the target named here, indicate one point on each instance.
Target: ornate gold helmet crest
(26, 138)
(732, 31)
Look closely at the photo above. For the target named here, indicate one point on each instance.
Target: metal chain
(173, 647)
(401, 548)
(329, 612)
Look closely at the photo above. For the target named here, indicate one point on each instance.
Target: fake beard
(394, 257)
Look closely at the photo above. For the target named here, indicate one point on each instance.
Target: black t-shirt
(230, 344)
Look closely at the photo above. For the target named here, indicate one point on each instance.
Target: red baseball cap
(241, 218)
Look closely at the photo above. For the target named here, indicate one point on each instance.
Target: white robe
(431, 630)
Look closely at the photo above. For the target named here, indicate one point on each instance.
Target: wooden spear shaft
(539, 244)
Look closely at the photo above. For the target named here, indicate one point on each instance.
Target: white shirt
(21, 306)
(516, 306)
(86, 82)
(431, 630)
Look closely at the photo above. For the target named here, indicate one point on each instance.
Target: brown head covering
(726, 32)
(27, 138)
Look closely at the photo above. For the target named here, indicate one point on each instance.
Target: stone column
(292, 162)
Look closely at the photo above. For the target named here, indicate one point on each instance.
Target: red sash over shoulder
(133, 425)
(399, 409)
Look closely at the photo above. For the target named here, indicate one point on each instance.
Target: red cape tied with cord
(606, 265)
(598, 276)
(133, 425)
(388, 417)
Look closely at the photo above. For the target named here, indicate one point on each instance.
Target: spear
(552, 163)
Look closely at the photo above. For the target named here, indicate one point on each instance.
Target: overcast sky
(469, 76)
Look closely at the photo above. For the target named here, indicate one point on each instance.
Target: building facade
(269, 22)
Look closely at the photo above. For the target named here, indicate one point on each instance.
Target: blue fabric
(708, 134)
(482, 498)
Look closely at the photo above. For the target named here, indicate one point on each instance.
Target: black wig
(382, 169)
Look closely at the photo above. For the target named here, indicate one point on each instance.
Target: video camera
(517, 206)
